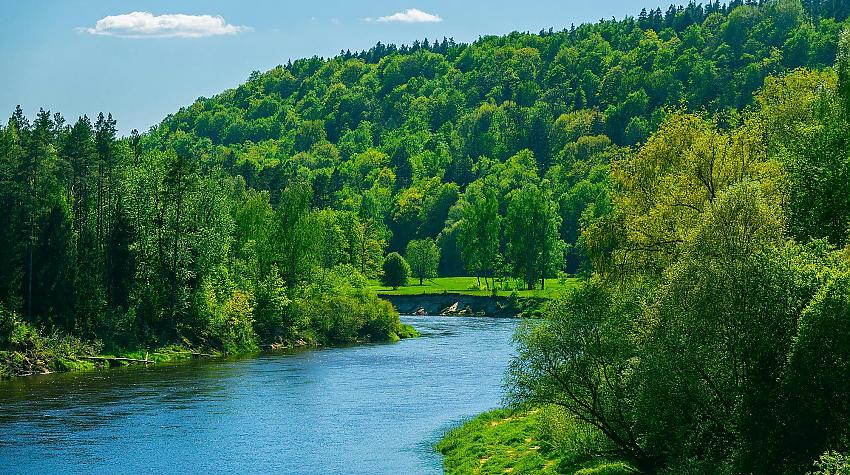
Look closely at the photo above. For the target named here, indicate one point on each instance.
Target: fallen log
(33, 373)
(111, 359)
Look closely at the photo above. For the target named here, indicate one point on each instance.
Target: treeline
(423, 138)
(106, 241)
(714, 335)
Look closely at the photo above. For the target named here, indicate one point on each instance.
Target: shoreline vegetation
(55, 354)
(30, 352)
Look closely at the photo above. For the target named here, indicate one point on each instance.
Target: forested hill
(398, 134)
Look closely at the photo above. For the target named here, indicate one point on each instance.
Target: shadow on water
(376, 407)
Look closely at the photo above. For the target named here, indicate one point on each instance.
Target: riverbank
(540, 440)
(474, 287)
(59, 355)
(33, 353)
(453, 304)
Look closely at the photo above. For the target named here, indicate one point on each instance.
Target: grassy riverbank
(470, 286)
(541, 440)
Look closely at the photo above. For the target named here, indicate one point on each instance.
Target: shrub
(29, 352)
(16, 334)
(349, 318)
(274, 317)
(232, 327)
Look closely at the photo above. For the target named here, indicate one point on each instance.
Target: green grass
(469, 286)
(535, 441)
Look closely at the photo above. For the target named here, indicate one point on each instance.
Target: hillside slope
(397, 134)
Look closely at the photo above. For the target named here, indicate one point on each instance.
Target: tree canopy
(711, 335)
(426, 140)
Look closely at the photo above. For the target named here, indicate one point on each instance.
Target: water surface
(364, 409)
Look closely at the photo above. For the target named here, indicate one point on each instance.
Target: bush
(232, 329)
(29, 352)
(357, 317)
(274, 318)
(16, 334)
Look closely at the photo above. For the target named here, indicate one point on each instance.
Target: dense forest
(498, 150)
(107, 246)
(714, 333)
(691, 163)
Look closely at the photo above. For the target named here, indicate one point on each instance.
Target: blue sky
(57, 55)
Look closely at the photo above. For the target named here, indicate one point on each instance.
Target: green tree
(819, 357)
(580, 358)
(395, 271)
(478, 230)
(534, 247)
(423, 256)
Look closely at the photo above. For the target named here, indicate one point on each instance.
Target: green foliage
(428, 141)
(14, 333)
(479, 229)
(832, 463)
(274, 319)
(820, 355)
(28, 351)
(710, 337)
(423, 256)
(532, 226)
(579, 358)
(819, 169)
(395, 271)
(142, 246)
(358, 316)
(713, 336)
(232, 326)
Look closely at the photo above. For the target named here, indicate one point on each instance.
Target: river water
(364, 409)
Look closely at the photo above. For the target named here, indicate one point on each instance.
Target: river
(361, 409)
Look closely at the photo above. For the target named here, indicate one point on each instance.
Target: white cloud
(148, 25)
(412, 15)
